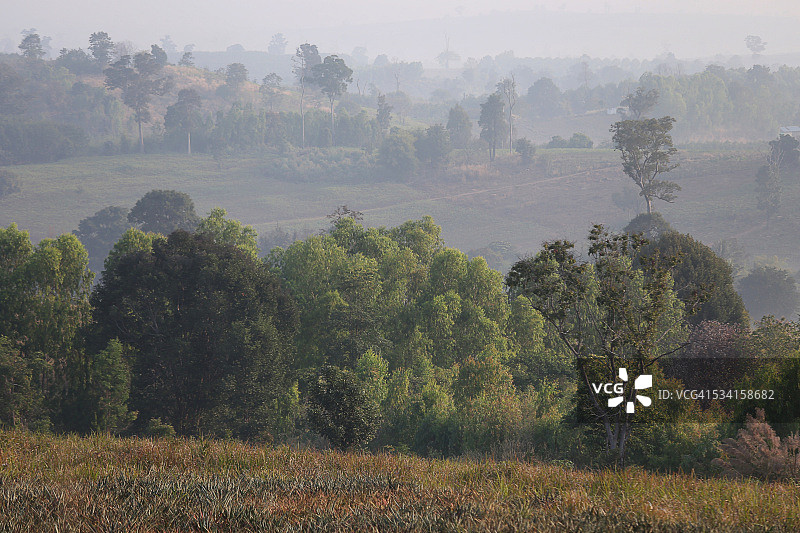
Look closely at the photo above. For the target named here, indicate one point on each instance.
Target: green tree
(271, 89)
(228, 231)
(31, 46)
(99, 232)
(187, 59)
(652, 225)
(702, 280)
(434, 146)
(545, 98)
(108, 390)
(164, 211)
(44, 302)
(492, 122)
(755, 44)
(646, 147)
(277, 45)
(139, 79)
(305, 58)
(580, 140)
(332, 77)
(459, 125)
(396, 155)
(159, 55)
(785, 152)
(236, 75)
(384, 114)
(768, 290)
(339, 408)
(101, 47)
(212, 332)
(607, 313)
(640, 102)
(182, 115)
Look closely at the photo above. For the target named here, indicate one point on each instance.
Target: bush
(759, 452)
(525, 149)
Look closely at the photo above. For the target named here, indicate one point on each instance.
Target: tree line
(363, 336)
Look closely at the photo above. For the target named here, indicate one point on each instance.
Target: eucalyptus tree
(139, 78)
(332, 77)
(303, 61)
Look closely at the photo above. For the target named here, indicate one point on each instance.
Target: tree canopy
(646, 148)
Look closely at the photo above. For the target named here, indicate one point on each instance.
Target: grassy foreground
(106, 484)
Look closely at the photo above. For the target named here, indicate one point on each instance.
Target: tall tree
(101, 47)
(139, 79)
(492, 122)
(384, 114)
(607, 313)
(305, 58)
(755, 45)
(507, 87)
(212, 331)
(459, 125)
(332, 77)
(277, 45)
(31, 46)
(44, 292)
(646, 147)
(182, 114)
(271, 89)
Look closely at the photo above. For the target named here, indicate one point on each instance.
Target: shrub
(759, 452)
(525, 149)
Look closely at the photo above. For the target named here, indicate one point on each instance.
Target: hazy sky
(215, 24)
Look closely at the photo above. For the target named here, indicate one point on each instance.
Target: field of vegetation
(561, 194)
(100, 483)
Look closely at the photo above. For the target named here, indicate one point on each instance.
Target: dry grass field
(102, 483)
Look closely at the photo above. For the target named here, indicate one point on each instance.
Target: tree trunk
(649, 205)
(333, 131)
(189, 142)
(302, 116)
(141, 138)
(510, 132)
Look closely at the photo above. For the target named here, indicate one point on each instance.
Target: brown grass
(103, 483)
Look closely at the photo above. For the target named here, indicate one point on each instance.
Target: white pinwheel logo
(645, 381)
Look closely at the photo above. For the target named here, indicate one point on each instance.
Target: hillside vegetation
(561, 194)
(101, 483)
